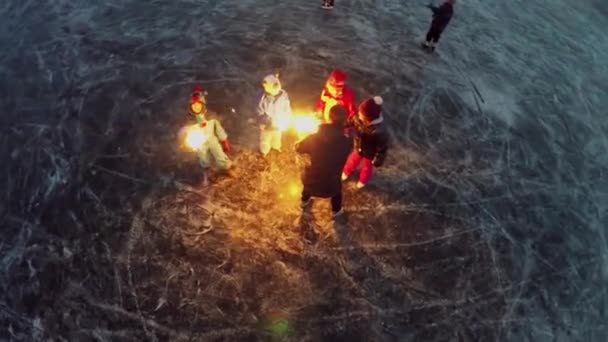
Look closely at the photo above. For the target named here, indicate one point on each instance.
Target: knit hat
(371, 108)
(337, 77)
(198, 91)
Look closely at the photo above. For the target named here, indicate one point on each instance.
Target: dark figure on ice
(371, 141)
(441, 17)
(322, 177)
(327, 4)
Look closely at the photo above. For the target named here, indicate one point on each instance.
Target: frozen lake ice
(487, 223)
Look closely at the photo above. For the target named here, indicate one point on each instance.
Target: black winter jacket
(328, 149)
(371, 141)
(442, 15)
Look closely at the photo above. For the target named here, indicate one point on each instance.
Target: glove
(225, 145)
(377, 163)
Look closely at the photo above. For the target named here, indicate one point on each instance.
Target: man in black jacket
(441, 17)
(328, 150)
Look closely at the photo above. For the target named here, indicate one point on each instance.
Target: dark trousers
(434, 34)
(336, 200)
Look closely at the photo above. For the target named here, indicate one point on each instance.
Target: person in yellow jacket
(206, 136)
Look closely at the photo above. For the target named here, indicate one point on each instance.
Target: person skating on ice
(273, 109)
(327, 4)
(336, 92)
(441, 17)
(371, 141)
(213, 140)
(322, 177)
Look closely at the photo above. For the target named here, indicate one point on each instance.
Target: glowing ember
(195, 137)
(294, 189)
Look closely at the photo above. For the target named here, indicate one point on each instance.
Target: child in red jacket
(370, 143)
(336, 92)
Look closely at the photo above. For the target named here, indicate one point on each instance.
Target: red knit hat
(371, 108)
(198, 90)
(196, 98)
(337, 76)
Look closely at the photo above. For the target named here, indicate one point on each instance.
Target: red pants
(353, 162)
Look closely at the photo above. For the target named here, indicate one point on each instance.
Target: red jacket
(347, 100)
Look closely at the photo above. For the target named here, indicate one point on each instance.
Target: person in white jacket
(274, 111)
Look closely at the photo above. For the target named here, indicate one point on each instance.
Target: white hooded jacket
(272, 108)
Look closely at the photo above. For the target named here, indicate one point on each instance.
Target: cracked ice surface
(487, 223)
